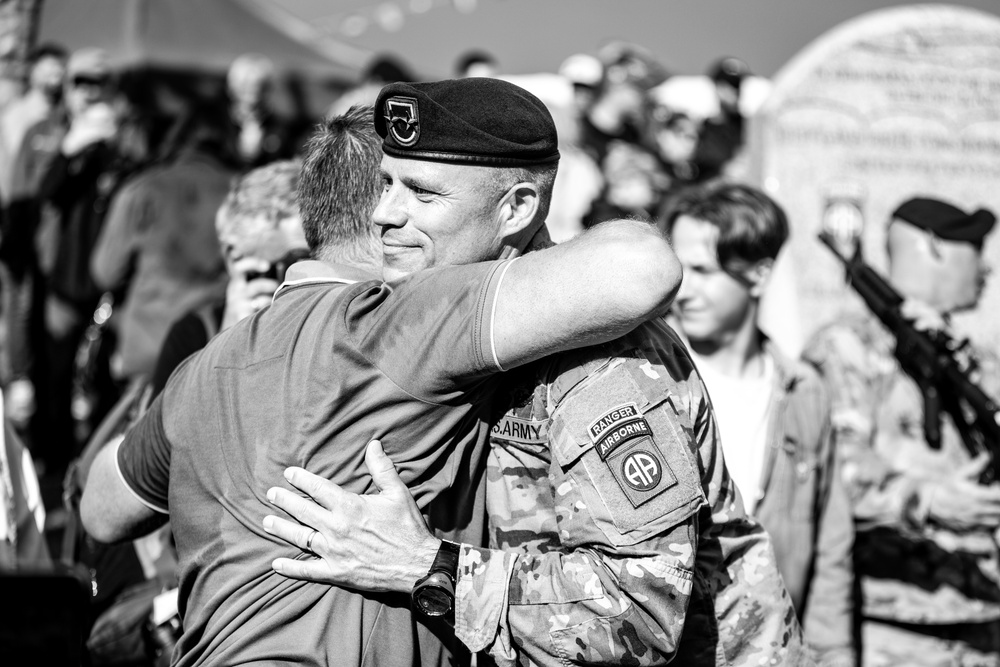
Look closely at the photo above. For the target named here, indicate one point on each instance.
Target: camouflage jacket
(911, 570)
(617, 535)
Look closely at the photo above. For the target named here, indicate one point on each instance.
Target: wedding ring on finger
(309, 541)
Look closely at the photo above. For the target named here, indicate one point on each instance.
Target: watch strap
(446, 560)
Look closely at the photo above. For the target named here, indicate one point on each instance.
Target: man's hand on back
(375, 542)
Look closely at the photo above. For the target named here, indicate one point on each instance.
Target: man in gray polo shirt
(337, 360)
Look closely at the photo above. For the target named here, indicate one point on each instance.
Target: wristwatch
(434, 595)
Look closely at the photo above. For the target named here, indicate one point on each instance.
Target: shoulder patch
(617, 427)
(641, 471)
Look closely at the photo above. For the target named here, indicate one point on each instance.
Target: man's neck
(739, 355)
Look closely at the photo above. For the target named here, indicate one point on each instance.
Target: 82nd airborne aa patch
(402, 120)
(624, 441)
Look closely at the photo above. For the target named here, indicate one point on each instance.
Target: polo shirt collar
(313, 272)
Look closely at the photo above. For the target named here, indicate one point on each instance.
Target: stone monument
(893, 104)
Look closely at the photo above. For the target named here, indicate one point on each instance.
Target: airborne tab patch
(621, 434)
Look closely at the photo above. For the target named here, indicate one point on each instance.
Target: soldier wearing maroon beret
(616, 536)
(925, 551)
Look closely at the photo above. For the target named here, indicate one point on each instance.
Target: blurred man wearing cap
(61, 182)
(339, 359)
(925, 550)
(614, 527)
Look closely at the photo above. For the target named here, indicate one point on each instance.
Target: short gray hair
(259, 201)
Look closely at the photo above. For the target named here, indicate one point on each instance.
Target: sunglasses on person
(88, 80)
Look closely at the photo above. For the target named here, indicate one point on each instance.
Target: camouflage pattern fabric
(964, 645)
(911, 570)
(617, 536)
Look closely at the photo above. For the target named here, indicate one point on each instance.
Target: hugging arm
(589, 290)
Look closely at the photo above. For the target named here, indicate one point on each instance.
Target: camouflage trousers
(886, 644)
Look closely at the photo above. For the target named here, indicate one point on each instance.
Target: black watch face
(433, 601)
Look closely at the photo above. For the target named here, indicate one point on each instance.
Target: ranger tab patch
(617, 427)
(620, 414)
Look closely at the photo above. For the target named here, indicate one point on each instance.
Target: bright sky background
(536, 35)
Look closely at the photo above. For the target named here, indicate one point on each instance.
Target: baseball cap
(90, 63)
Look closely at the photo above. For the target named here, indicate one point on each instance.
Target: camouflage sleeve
(627, 491)
(857, 377)
(583, 606)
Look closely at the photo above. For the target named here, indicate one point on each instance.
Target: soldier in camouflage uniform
(617, 537)
(926, 549)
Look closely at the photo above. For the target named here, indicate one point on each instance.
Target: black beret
(946, 221)
(479, 121)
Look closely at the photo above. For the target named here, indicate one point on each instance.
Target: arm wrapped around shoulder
(588, 290)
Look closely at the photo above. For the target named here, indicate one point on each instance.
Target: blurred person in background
(617, 112)
(584, 72)
(476, 63)
(674, 137)
(22, 514)
(579, 181)
(73, 190)
(46, 74)
(38, 117)
(723, 135)
(259, 230)
(926, 548)
(258, 227)
(158, 243)
(613, 132)
(258, 134)
(773, 412)
(382, 70)
(634, 183)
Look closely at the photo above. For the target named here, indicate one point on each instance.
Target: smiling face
(436, 214)
(713, 304)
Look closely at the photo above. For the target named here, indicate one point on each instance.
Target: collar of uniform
(313, 272)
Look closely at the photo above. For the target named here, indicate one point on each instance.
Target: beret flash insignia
(402, 120)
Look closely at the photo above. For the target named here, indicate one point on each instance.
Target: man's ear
(758, 275)
(517, 211)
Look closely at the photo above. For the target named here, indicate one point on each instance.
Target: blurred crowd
(129, 239)
(109, 227)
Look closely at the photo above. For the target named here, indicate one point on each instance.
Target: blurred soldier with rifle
(916, 432)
